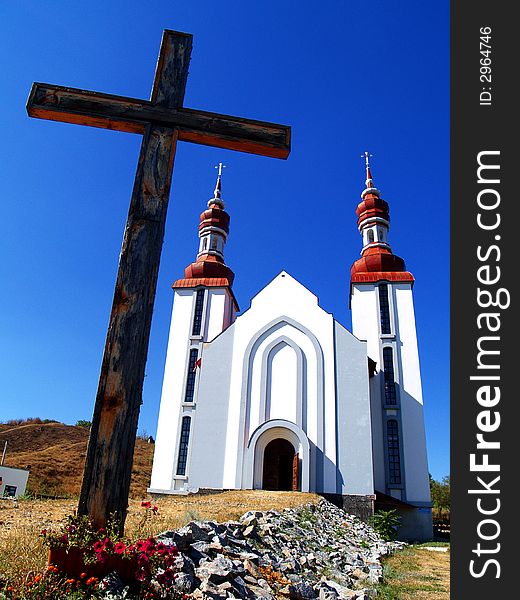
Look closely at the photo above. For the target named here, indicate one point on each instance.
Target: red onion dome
(377, 259)
(209, 266)
(214, 216)
(372, 206)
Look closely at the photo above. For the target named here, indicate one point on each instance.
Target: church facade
(283, 397)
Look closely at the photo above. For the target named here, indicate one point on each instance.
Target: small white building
(12, 481)
(283, 397)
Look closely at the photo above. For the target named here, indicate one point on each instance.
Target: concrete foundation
(362, 506)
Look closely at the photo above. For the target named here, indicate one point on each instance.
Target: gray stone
(113, 587)
(217, 570)
(301, 591)
(249, 530)
(298, 544)
(184, 583)
(326, 591)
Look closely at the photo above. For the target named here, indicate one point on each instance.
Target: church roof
(209, 268)
(377, 261)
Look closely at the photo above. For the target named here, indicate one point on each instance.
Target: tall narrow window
(388, 369)
(384, 308)
(191, 375)
(370, 236)
(183, 446)
(197, 316)
(394, 460)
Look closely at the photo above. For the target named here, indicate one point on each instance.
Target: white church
(283, 397)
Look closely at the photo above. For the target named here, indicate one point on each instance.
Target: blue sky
(347, 76)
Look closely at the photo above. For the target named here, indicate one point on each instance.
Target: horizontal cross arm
(71, 105)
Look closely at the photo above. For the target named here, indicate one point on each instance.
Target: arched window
(384, 308)
(394, 460)
(183, 446)
(191, 375)
(370, 236)
(205, 243)
(388, 368)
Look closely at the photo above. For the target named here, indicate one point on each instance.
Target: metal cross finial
(220, 166)
(218, 185)
(366, 155)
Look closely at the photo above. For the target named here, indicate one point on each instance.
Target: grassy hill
(55, 454)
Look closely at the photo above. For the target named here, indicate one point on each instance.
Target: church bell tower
(383, 314)
(203, 306)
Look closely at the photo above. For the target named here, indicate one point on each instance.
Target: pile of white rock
(313, 551)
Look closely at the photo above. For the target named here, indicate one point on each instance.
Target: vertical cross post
(106, 479)
(162, 121)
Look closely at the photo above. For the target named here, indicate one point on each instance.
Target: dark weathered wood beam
(108, 464)
(162, 121)
(83, 107)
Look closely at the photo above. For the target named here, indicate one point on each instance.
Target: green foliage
(440, 494)
(385, 522)
(83, 423)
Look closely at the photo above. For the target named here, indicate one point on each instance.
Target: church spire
(213, 231)
(377, 260)
(217, 200)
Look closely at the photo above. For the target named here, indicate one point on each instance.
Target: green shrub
(385, 522)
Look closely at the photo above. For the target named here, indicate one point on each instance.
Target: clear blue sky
(347, 76)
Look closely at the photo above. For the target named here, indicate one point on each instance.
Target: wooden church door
(280, 466)
(295, 472)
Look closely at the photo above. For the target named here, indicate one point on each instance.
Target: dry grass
(416, 574)
(55, 454)
(22, 521)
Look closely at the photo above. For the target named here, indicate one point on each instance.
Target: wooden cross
(162, 121)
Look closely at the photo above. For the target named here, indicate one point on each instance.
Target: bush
(386, 522)
(83, 423)
(440, 494)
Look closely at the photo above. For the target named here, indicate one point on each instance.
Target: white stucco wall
(283, 296)
(407, 375)
(171, 397)
(412, 413)
(365, 317)
(217, 314)
(217, 311)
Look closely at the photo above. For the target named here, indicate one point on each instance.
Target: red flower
(130, 549)
(108, 544)
(146, 504)
(119, 548)
(99, 546)
(155, 509)
(162, 578)
(161, 549)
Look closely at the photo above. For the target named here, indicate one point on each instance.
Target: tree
(440, 493)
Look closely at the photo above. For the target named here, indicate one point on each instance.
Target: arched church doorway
(280, 466)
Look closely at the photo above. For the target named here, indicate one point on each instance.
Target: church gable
(275, 365)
